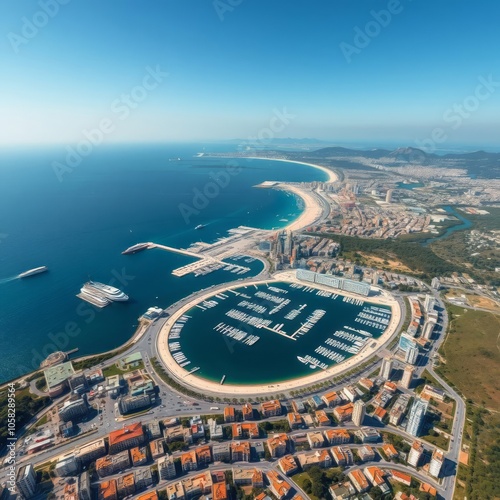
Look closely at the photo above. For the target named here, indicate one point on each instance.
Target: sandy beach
(203, 385)
(312, 208)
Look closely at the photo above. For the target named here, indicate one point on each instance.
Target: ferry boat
(200, 226)
(135, 248)
(109, 292)
(32, 272)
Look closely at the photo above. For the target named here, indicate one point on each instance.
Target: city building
(240, 451)
(368, 435)
(110, 464)
(56, 378)
(78, 383)
(376, 476)
(143, 478)
(416, 452)
(247, 411)
(278, 486)
(153, 429)
(129, 404)
(189, 461)
(436, 463)
(321, 418)
(388, 195)
(288, 465)
(229, 414)
(221, 452)
(344, 412)
(278, 445)
(315, 402)
(125, 485)
(416, 417)
(248, 477)
(91, 451)
(127, 437)
(216, 430)
(315, 439)
(428, 329)
(26, 480)
(358, 413)
(70, 491)
(84, 486)
(245, 430)
(430, 392)
(203, 455)
(337, 436)
(166, 467)
(359, 481)
(407, 376)
(320, 458)
(67, 465)
(108, 490)
(271, 408)
(175, 491)
(342, 491)
(350, 393)
(331, 399)
(386, 368)
(380, 414)
(429, 303)
(389, 451)
(398, 409)
(294, 420)
(401, 477)
(366, 453)
(298, 407)
(411, 355)
(157, 449)
(342, 456)
(219, 491)
(139, 455)
(435, 284)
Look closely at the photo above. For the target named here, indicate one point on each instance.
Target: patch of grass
(472, 355)
(114, 370)
(440, 441)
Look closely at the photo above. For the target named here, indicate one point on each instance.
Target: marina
(245, 323)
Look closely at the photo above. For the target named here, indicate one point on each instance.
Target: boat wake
(8, 280)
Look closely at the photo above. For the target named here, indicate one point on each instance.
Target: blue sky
(232, 63)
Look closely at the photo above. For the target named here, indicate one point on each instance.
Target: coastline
(196, 383)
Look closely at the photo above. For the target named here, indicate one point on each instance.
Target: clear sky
(232, 63)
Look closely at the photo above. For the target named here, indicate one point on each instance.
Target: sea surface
(78, 223)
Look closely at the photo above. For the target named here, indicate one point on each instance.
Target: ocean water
(274, 357)
(79, 224)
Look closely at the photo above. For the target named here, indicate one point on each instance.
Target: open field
(474, 300)
(379, 262)
(472, 352)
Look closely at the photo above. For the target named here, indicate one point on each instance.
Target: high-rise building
(411, 355)
(429, 303)
(388, 196)
(435, 284)
(407, 376)
(375, 278)
(386, 368)
(416, 417)
(416, 452)
(358, 413)
(428, 328)
(26, 481)
(436, 463)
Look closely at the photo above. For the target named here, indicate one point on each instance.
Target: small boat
(135, 248)
(200, 226)
(32, 272)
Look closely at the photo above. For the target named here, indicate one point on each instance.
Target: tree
(376, 493)
(318, 489)
(307, 486)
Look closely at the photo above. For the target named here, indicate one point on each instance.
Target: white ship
(32, 272)
(135, 248)
(109, 292)
(93, 297)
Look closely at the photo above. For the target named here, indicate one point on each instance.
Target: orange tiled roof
(288, 463)
(330, 396)
(188, 458)
(128, 479)
(137, 454)
(240, 447)
(277, 440)
(390, 386)
(376, 474)
(247, 409)
(389, 450)
(294, 418)
(344, 409)
(322, 417)
(400, 476)
(427, 488)
(107, 489)
(380, 412)
(270, 405)
(128, 432)
(219, 491)
(150, 495)
(280, 486)
(360, 478)
(228, 411)
(331, 433)
(257, 476)
(203, 453)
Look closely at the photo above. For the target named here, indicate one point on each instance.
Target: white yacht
(109, 292)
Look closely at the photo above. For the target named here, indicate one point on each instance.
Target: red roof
(129, 432)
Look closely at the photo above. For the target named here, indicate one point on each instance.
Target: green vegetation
(421, 260)
(472, 366)
(437, 439)
(472, 356)
(315, 481)
(41, 384)
(277, 426)
(114, 370)
(27, 406)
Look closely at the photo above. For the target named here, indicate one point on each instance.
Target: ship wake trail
(8, 280)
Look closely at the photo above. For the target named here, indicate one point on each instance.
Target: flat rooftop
(55, 375)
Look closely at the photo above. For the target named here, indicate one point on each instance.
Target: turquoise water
(116, 197)
(273, 358)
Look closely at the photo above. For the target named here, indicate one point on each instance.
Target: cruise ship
(32, 272)
(135, 248)
(107, 291)
(91, 296)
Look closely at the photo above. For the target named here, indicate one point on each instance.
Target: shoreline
(194, 382)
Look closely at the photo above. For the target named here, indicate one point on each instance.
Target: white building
(416, 417)
(429, 303)
(416, 452)
(358, 413)
(386, 368)
(26, 481)
(436, 463)
(428, 328)
(411, 355)
(407, 376)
